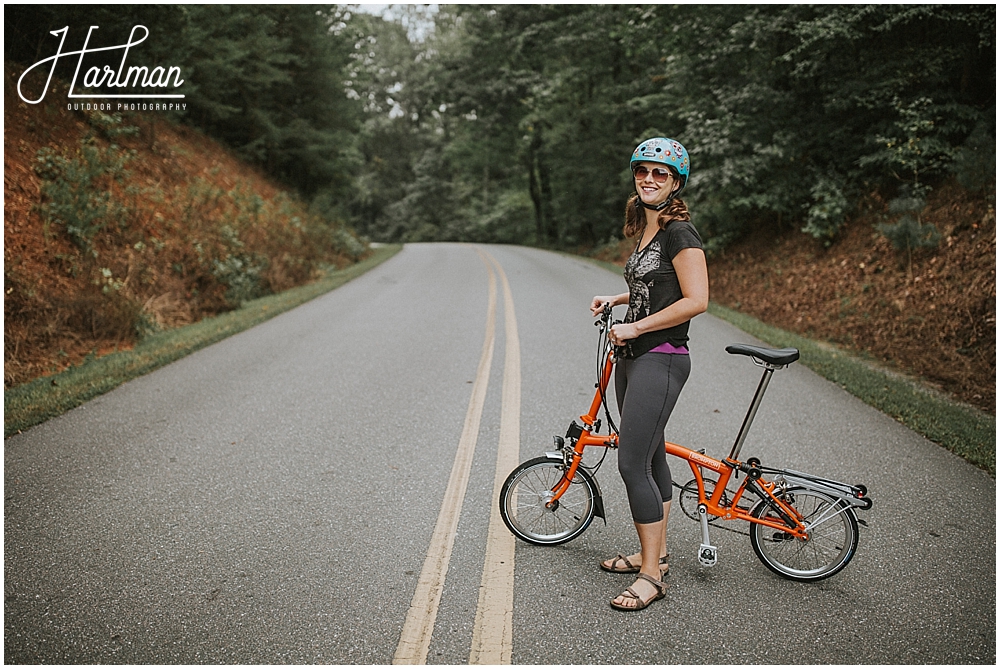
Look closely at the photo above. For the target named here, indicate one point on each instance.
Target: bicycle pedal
(707, 555)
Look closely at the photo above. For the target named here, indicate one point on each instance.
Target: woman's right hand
(597, 306)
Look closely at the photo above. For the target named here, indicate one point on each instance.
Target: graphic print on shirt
(639, 265)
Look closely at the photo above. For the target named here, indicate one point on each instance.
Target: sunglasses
(660, 175)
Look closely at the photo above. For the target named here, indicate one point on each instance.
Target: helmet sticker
(666, 151)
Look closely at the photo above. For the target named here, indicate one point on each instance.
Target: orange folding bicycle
(802, 527)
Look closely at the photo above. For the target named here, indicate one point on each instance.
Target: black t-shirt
(653, 285)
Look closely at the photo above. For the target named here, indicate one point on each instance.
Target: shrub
(909, 233)
(348, 244)
(826, 214)
(78, 192)
(975, 160)
(112, 315)
(241, 274)
(111, 125)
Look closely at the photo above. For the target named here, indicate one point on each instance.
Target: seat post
(734, 454)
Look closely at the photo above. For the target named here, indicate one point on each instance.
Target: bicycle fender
(598, 496)
(599, 502)
(863, 503)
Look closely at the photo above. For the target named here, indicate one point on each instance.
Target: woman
(667, 281)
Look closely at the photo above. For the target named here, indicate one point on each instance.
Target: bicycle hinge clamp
(707, 553)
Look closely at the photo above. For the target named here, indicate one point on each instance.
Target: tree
(788, 111)
(269, 81)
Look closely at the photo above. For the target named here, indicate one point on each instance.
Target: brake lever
(605, 316)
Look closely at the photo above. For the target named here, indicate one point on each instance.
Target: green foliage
(344, 241)
(975, 161)
(241, 274)
(267, 80)
(77, 190)
(909, 201)
(909, 233)
(239, 271)
(262, 241)
(111, 126)
(827, 212)
(788, 111)
(914, 149)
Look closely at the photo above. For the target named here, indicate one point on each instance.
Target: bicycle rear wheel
(528, 489)
(833, 537)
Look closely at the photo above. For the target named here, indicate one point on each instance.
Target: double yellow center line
(492, 637)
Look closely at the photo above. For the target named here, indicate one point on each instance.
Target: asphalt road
(271, 498)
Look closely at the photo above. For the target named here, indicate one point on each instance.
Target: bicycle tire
(527, 490)
(830, 545)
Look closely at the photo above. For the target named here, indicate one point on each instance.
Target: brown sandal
(661, 592)
(630, 568)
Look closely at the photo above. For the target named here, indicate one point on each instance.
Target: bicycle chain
(683, 488)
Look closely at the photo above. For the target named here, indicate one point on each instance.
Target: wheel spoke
(832, 537)
(532, 520)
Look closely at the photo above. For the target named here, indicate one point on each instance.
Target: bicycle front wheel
(527, 491)
(833, 537)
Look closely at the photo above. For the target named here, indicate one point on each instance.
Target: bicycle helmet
(668, 152)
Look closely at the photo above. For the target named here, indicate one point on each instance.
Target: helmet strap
(657, 207)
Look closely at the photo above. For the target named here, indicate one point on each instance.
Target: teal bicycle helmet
(668, 152)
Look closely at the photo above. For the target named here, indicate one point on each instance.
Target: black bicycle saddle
(774, 356)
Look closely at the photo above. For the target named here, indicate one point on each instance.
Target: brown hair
(635, 218)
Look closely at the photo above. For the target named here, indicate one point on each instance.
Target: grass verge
(50, 396)
(962, 429)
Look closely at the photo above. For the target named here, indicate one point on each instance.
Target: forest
(513, 124)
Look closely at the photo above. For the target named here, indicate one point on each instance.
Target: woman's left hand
(622, 332)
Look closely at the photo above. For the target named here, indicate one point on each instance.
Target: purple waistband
(667, 347)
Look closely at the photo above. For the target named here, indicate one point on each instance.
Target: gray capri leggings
(647, 389)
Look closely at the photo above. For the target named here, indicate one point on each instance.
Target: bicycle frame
(718, 503)
(802, 527)
(585, 435)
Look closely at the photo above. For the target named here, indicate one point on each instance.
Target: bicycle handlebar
(605, 316)
(604, 349)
